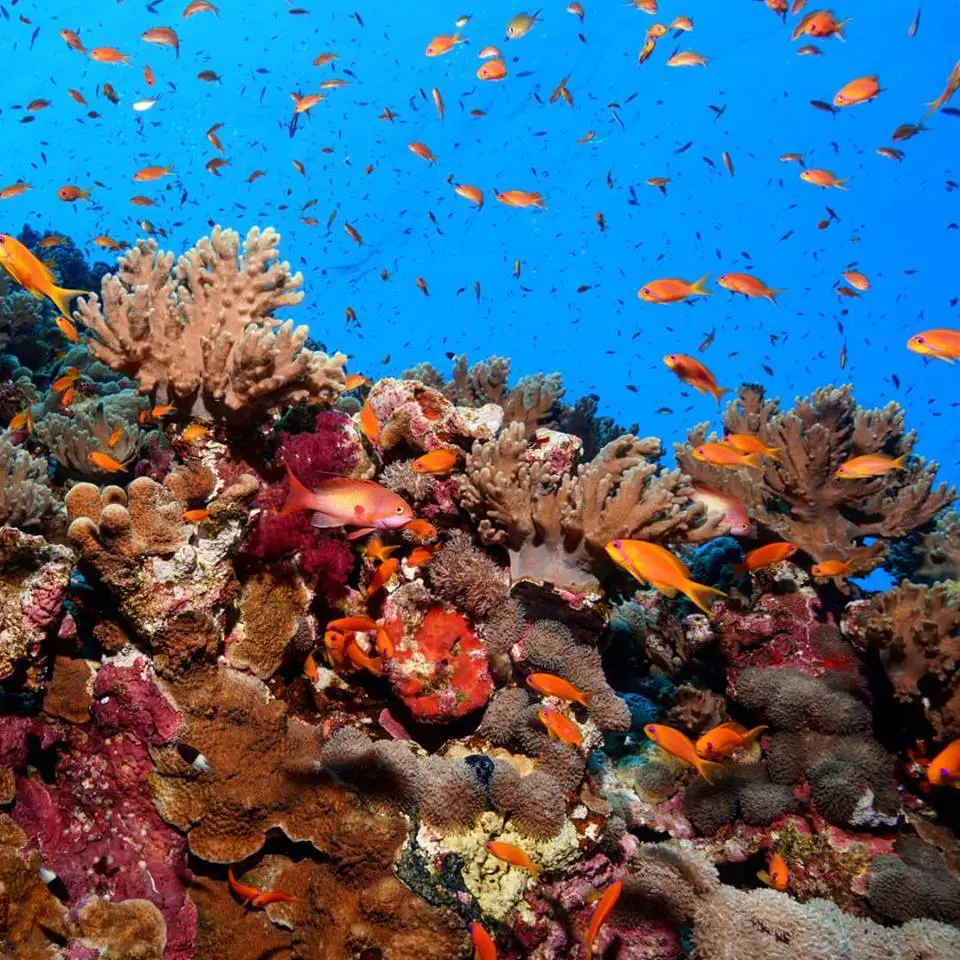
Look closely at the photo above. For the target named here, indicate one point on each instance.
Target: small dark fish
(896, 380)
(767, 370)
(583, 288)
(824, 106)
(728, 163)
(707, 340)
(787, 235)
(685, 147)
(891, 153)
(843, 357)
(665, 410)
(950, 111)
(915, 25)
(194, 757)
(718, 111)
(907, 130)
(709, 162)
(632, 388)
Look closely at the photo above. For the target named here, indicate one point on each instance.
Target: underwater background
(489, 608)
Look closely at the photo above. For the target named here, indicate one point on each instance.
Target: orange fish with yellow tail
(33, 275)
(254, 897)
(673, 289)
(776, 875)
(601, 911)
(513, 855)
(723, 739)
(679, 745)
(941, 344)
(695, 374)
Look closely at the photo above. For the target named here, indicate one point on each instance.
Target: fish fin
(665, 589)
(752, 735)
(774, 454)
(839, 30)
(61, 296)
(700, 287)
(700, 594)
(356, 534)
(584, 699)
(708, 769)
(718, 392)
(901, 461)
(754, 460)
(299, 497)
(771, 295)
(840, 184)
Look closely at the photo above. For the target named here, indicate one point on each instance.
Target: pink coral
(439, 670)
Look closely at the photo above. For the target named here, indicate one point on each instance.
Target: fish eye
(399, 510)
(919, 339)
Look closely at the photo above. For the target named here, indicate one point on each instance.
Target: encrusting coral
(799, 498)
(201, 334)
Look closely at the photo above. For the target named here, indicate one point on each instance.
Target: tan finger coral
(201, 334)
(554, 519)
(799, 498)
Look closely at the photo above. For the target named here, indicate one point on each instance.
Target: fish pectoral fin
(357, 534)
(324, 520)
(664, 588)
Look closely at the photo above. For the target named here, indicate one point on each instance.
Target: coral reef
(26, 500)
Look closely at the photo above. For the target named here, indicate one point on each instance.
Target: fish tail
(901, 462)
(298, 498)
(839, 30)
(754, 460)
(61, 297)
(718, 392)
(708, 769)
(752, 735)
(584, 699)
(771, 295)
(774, 454)
(700, 594)
(840, 184)
(700, 287)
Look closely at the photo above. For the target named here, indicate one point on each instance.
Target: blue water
(893, 221)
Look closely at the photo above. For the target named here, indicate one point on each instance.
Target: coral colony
(296, 664)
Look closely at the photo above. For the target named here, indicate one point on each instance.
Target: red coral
(330, 450)
(441, 672)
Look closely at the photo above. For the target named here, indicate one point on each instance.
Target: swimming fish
(560, 727)
(442, 44)
(345, 502)
(195, 516)
(513, 855)
(14, 190)
(822, 178)
(861, 90)
(369, 424)
(492, 70)
(71, 193)
(679, 745)
(199, 6)
(870, 465)
(943, 344)
(721, 455)
(483, 944)
(944, 768)
(601, 911)
(421, 530)
(553, 686)
(856, 280)
(103, 461)
(521, 198)
(109, 55)
(820, 23)
(748, 285)
(33, 275)
(422, 150)
(776, 875)
(521, 25)
(724, 739)
(437, 463)
(673, 290)
(254, 897)
(661, 569)
(730, 508)
(746, 443)
(163, 36)
(147, 174)
(691, 371)
(766, 556)
(384, 574)
(687, 58)
(473, 194)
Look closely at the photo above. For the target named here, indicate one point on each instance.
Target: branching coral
(917, 631)
(930, 554)
(525, 495)
(799, 498)
(201, 334)
(26, 499)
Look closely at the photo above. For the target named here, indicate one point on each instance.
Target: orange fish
(438, 101)
(69, 395)
(199, 6)
(109, 55)
(377, 550)
(162, 36)
(52, 241)
(720, 455)
(521, 198)
(730, 508)
(516, 857)
(661, 569)
(820, 23)
(67, 380)
(953, 85)
(369, 424)
(576, 9)
(422, 286)
(492, 70)
(823, 178)
(421, 530)
(722, 740)
(195, 516)
(254, 897)
(103, 461)
(423, 151)
(438, 463)
(310, 669)
(777, 875)
(484, 947)
(601, 911)
(34, 105)
(72, 40)
(489, 51)
(442, 44)
(834, 568)
(687, 59)
(746, 443)
(14, 190)
(142, 201)
(354, 234)
(943, 344)
(650, 44)
(473, 194)
(673, 290)
(694, 373)
(33, 275)
(355, 380)
(421, 556)
(870, 465)
(944, 768)
(196, 431)
(162, 410)
(681, 24)
(148, 75)
(856, 280)
(679, 745)
(114, 438)
(748, 285)
(552, 686)
(766, 556)
(304, 103)
(70, 194)
(22, 421)
(152, 173)
(655, 31)
(345, 502)
(560, 727)
(363, 662)
(861, 90)
(385, 573)
(324, 59)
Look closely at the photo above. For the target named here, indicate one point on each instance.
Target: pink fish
(731, 508)
(345, 502)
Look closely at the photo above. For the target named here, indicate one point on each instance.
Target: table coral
(799, 498)
(201, 334)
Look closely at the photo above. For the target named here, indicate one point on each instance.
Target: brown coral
(555, 521)
(799, 498)
(202, 335)
(25, 497)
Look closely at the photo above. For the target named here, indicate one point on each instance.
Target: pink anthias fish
(345, 502)
(731, 508)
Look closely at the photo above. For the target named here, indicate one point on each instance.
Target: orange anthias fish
(870, 465)
(442, 44)
(492, 70)
(14, 190)
(746, 443)
(33, 275)
(114, 437)
(553, 686)
(377, 550)
(422, 150)
(953, 85)
(71, 193)
(473, 194)
(385, 573)
(254, 897)
(694, 373)
(679, 745)
(421, 556)
(673, 290)
(420, 530)
(345, 502)
(721, 455)
(438, 463)
(147, 174)
(840, 568)
(72, 40)
(560, 727)
(196, 431)
(722, 740)
(355, 380)
(942, 344)
(369, 424)
(109, 55)
(601, 911)
(688, 58)
(823, 178)
(195, 516)
(22, 421)
(748, 285)
(856, 280)
(731, 508)
(521, 198)
(484, 947)
(776, 875)
(861, 90)
(944, 768)
(820, 23)
(66, 381)
(310, 669)
(508, 853)
(103, 461)
(661, 569)
(163, 36)
(766, 556)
